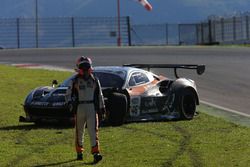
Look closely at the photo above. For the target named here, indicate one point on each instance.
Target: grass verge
(204, 141)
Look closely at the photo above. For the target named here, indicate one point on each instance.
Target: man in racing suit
(88, 94)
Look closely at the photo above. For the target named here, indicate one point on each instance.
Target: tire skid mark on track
(21, 139)
(145, 131)
(184, 148)
(184, 143)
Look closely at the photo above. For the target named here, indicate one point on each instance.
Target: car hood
(48, 93)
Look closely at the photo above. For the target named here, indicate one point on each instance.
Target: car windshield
(109, 79)
(106, 80)
(67, 82)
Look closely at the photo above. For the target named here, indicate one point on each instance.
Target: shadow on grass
(64, 163)
(60, 125)
(56, 164)
(36, 126)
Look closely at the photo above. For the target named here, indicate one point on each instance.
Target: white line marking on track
(225, 109)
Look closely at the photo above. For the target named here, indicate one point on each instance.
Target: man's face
(86, 73)
(84, 67)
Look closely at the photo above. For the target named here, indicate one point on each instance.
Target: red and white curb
(26, 65)
(41, 66)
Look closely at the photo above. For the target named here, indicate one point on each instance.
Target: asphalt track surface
(226, 81)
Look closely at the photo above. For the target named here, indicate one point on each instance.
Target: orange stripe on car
(139, 90)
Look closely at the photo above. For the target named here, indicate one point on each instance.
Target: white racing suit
(90, 101)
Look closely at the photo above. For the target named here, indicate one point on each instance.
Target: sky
(164, 11)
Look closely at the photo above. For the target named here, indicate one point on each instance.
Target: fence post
(234, 28)
(37, 36)
(214, 31)
(129, 31)
(179, 35)
(247, 27)
(222, 29)
(18, 32)
(73, 31)
(167, 34)
(202, 34)
(197, 34)
(210, 38)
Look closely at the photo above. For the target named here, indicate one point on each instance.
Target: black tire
(187, 104)
(39, 122)
(117, 109)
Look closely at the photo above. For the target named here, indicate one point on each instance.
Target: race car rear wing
(200, 69)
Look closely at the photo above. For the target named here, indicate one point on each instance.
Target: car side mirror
(201, 69)
(54, 83)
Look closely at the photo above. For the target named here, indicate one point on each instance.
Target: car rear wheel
(187, 104)
(117, 109)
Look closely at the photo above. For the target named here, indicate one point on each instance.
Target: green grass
(205, 141)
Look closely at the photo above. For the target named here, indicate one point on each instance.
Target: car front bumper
(38, 113)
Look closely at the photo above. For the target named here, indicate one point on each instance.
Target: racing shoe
(97, 158)
(79, 156)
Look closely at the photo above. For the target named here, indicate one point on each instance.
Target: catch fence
(231, 30)
(103, 31)
(62, 32)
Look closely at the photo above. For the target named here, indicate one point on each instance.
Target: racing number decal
(148, 105)
(135, 106)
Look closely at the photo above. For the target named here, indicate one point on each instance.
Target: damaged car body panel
(131, 94)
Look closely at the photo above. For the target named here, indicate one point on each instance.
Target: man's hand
(102, 111)
(101, 114)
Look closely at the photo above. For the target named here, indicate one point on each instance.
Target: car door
(141, 102)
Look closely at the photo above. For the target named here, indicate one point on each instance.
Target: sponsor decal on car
(149, 105)
(45, 104)
(58, 104)
(39, 103)
(135, 106)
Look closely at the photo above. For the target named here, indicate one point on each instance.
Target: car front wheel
(117, 109)
(187, 104)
